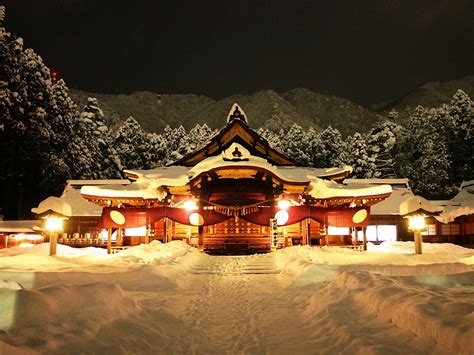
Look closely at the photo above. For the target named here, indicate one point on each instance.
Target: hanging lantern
(196, 219)
(282, 217)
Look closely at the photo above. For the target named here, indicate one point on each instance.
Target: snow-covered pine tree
(177, 142)
(64, 114)
(334, 151)
(381, 143)
(461, 141)
(96, 135)
(274, 138)
(195, 137)
(129, 141)
(426, 157)
(27, 135)
(362, 164)
(295, 144)
(155, 151)
(315, 149)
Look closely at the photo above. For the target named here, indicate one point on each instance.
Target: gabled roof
(391, 206)
(460, 205)
(237, 131)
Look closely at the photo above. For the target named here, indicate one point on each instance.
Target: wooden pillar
(147, 234)
(165, 229)
(53, 241)
(364, 238)
(109, 240)
(304, 230)
(355, 237)
(418, 242)
(308, 230)
(201, 238)
(119, 237)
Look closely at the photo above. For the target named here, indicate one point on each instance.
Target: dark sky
(365, 50)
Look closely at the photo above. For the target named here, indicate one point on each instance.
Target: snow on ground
(169, 298)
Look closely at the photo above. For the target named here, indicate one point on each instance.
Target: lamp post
(54, 210)
(54, 225)
(416, 208)
(416, 223)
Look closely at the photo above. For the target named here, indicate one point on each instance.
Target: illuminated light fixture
(117, 217)
(359, 216)
(284, 204)
(282, 217)
(190, 205)
(196, 219)
(54, 224)
(416, 223)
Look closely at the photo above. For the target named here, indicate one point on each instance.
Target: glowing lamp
(284, 204)
(54, 224)
(282, 217)
(196, 219)
(416, 223)
(190, 205)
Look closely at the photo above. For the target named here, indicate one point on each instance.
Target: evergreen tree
(381, 144)
(27, 138)
(334, 150)
(461, 141)
(295, 144)
(155, 151)
(96, 135)
(426, 161)
(315, 149)
(129, 142)
(363, 166)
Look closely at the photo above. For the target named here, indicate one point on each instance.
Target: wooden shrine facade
(230, 193)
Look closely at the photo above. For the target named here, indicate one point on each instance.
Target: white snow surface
(169, 298)
(150, 183)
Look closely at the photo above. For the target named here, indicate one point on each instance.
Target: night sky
(366, 51)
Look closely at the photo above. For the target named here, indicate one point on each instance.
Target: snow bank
(37, 259)
(440, 318)
(311, 265)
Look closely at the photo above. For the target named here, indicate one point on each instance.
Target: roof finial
(236, 113)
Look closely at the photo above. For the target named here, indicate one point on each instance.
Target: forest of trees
(46, 139)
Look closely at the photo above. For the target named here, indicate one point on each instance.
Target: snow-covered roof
(389, 181)
(53, 204)
(98, 182)
(19, 226)
(79, 205)
(150, 183)
(401, 191)
(460, 205)
(417, 204)
(324, 189)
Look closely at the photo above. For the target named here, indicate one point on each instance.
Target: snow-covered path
(172, 299)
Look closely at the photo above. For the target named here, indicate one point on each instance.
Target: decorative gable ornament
(236, 113)
(236, 152)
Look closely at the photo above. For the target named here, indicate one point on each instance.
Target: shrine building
(235, 193)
